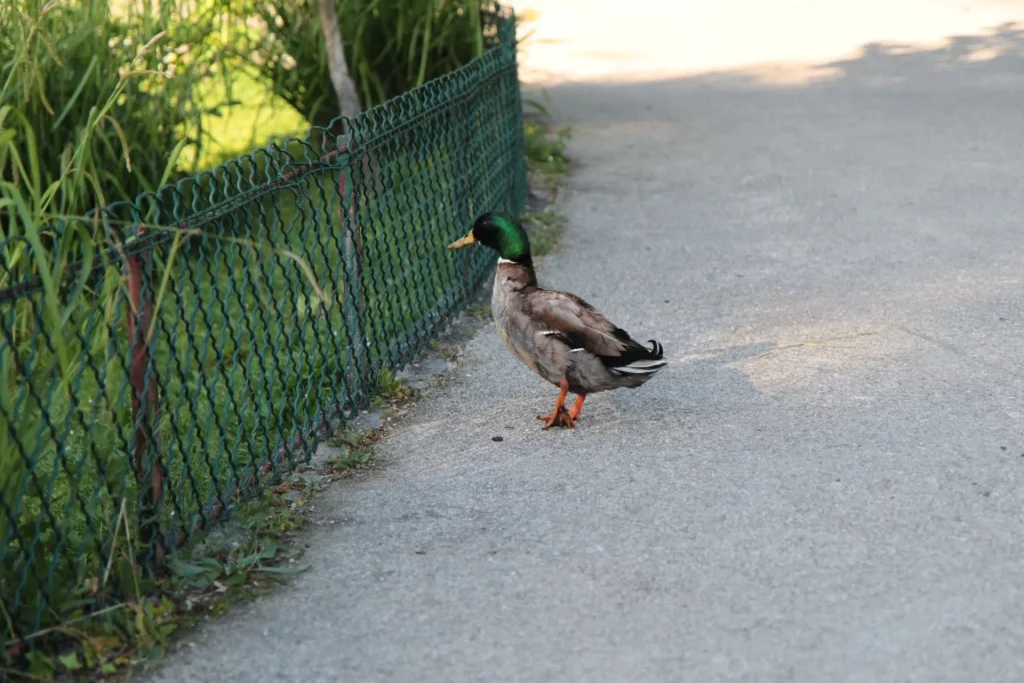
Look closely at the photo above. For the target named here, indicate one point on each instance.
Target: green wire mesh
(176, 373)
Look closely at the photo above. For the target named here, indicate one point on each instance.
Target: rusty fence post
(145, 399)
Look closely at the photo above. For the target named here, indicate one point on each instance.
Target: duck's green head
(500, 232)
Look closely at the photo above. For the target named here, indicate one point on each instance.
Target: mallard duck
(556, 334)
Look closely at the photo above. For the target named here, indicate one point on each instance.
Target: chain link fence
(237, 319)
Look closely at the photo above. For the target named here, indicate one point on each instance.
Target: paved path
(826, 484)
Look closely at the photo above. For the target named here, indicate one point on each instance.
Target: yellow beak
(463, 241)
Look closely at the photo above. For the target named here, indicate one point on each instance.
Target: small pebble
(497, 438)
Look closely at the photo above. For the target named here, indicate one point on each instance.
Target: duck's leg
(559, 416)
(577, 407)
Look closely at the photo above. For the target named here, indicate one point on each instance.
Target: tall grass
(59, 60)
(390, 46)
(51, 342)
(247, 346)
(68, 482)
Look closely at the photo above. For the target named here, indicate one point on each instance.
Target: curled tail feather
(654, 361)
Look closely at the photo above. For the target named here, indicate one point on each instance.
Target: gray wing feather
(578, 323)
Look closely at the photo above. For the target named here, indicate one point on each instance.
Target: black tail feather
(635, 351)
(646, 361)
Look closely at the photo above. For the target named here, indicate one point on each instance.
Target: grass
(391, 46)
(253, 117)
(252, 337)
(546, 159)
(547, 164)
(545, 230)
(481, 311)
(246, 352)
(250, 554)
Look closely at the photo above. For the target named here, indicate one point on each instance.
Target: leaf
(141, 622)
(234, 580)
(70, 661)
(107, 668)
(248, 560)
(40, 665)
(102, 644)
(78, 91)
(282, 570)
(173, 160)
(125, 147)
(185, 570)
(269, 550)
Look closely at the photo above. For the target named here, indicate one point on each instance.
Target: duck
(557, 335)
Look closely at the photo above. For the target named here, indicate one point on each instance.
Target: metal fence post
(144, 399)
(357, 374)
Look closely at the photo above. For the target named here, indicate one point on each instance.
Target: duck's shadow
(693, 385)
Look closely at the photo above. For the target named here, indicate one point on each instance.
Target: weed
(480, 311)
(545, 150)
(446, 351)
(389, 389)
(246, 555)
(544, 228)
(345, 437)
(353, 459)
(546, 158)
(62, 59)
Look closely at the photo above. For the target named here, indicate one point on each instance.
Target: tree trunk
(344, 87)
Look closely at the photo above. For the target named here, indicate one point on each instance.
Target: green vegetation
(254, 310)
(198, 80)
(390, 45)
(353, 459)
(547, 163)
(545, 150)
(389, 389)
(250, 555)
(545, 147)
(480, 311)
(544, 228)
(252, 116)
(62, 61)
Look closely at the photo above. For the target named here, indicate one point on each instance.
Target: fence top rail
(133, 228)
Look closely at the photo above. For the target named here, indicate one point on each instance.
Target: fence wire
(237, 319)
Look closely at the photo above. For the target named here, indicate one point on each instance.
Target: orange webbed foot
(559, 417)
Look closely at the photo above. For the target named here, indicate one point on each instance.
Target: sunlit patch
(758, 44)
(983, 55)
(783, 359)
